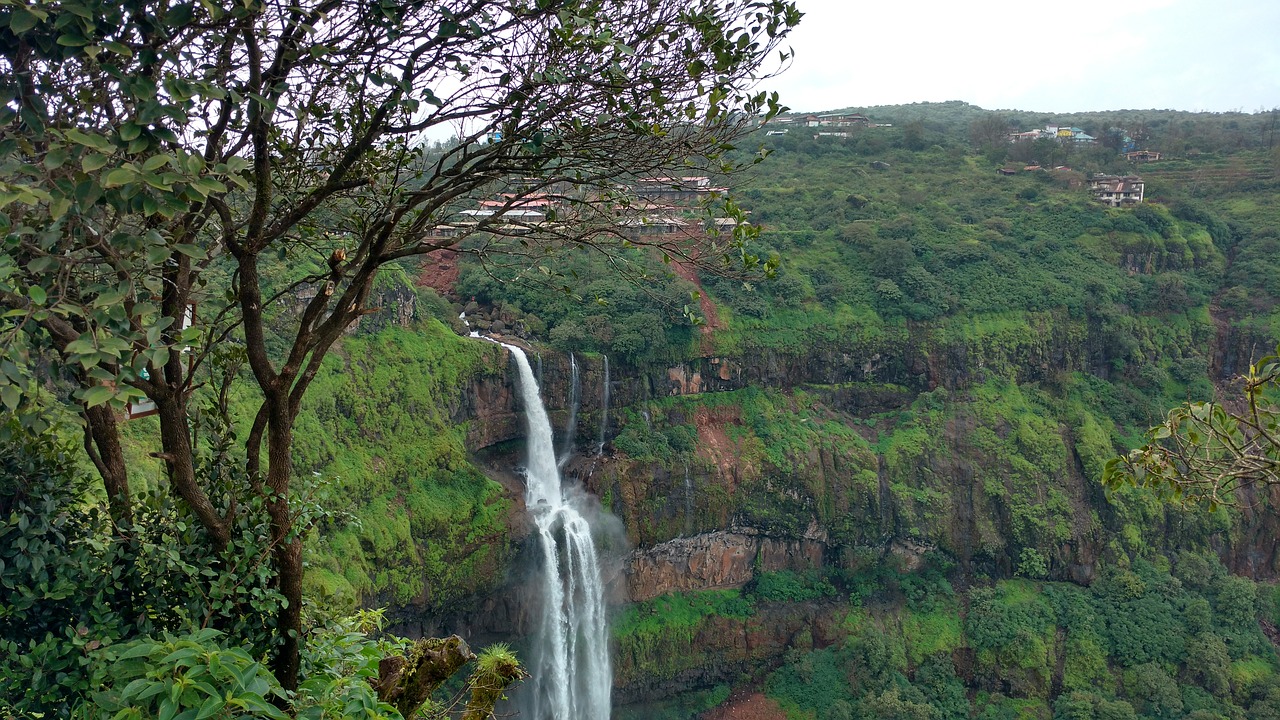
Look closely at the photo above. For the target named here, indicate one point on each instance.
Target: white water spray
(473, 333)
(571, 427)
(604, 409)
(571, 677)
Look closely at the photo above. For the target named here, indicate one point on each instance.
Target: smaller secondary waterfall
(571, 427)
(688, 501)
(571, 678)
(471, 333)
(604, 409)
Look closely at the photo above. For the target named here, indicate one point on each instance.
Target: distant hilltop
(1179, 132)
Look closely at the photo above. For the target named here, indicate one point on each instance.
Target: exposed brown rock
(722, 559)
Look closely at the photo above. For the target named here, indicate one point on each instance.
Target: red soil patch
(714, 442)
(439, 271)
(708, 308)
(687, 272)
(754, 706)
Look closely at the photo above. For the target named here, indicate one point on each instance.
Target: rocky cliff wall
(956, 439)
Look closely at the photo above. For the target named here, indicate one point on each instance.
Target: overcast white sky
(1038, 55)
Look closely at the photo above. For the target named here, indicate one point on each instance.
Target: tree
(913, 137)
(989, 134)
(165, 167)
(1205, 452)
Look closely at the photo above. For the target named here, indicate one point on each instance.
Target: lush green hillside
(947, 357)
(925, 393)
(1152, 640)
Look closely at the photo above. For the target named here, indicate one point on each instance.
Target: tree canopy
(189, 189)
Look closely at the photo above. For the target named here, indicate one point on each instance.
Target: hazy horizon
(1190, 55)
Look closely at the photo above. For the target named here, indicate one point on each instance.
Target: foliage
(646, 633)
(139, 620)
(604, 313)
(1205, 452)
(183, 674)
(413, 518)
(788, 586)
(1122, 648)
(72, 582)
(223, 141)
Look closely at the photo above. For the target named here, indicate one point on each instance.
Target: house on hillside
(843, 120)
(1142, 156)
(1117, 190)
(1061, 133)
(675, 189)
(835, 119)
(1029, 136)
(638, 227)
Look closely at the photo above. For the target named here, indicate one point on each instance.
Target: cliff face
(721, 649)
(984, 443)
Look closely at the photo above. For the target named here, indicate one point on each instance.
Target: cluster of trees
(1143, 642)
(648, 318)
(159, 163)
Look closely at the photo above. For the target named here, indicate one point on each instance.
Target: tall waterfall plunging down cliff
(570, 674)
(571, 427)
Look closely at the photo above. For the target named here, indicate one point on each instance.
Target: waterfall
(688, 500)
(471, 333)
(571, 427)
(604, 408)
(571, 678)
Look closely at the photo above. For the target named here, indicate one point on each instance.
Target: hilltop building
(675, 189)
(827, 120)
(1117, 190)
(1142, 156)
(1061, 133)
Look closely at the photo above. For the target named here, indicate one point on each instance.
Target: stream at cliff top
(570, 674)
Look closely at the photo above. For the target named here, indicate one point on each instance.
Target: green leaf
(192, 251)
(55, 158)
(59, 207)
(168, 707)
(22, 20)
(119, 176)
(118, 48)
(93, 161)
(97, 395)
(37, 294)
(97, 142)
(72, 39)
(11, 396)
(210, 707)
(134, 687)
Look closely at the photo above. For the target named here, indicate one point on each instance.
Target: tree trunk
(179, 458)
(102, 442)
(286, 544)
